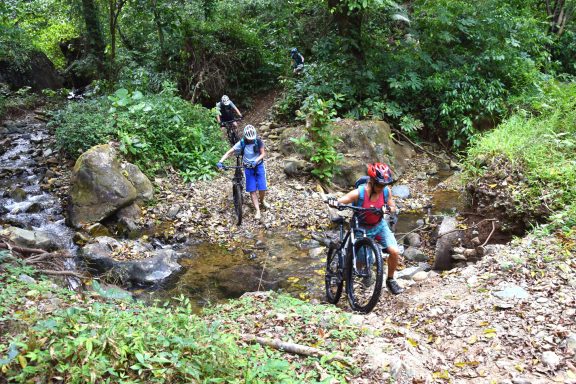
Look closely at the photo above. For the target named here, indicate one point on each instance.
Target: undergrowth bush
(154, 130)
(543, 143)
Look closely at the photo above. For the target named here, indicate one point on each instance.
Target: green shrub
(544, 145)
(319, 143)
(154, 130)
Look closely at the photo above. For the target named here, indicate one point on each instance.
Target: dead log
(295, 348)
(14, 248)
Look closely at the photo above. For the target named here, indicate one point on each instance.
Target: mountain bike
(237, 189)
(356, 259)
(231, 130)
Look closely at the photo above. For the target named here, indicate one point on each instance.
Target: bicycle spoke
(364, 282)
(334, 278)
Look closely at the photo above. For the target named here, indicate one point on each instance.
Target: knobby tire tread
(368, 242)
(330, 297)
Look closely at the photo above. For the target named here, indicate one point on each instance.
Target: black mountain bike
(356, 259)
(231, 130)
(237, 189)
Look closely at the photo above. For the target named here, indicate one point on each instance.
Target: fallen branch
(295, 348)
(61, 273)
(418, 146)
(5, 245)
(490, 235)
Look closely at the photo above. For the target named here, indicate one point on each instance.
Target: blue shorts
(382, 234)
(255, 178)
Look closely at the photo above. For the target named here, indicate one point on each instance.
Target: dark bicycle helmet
(380, 173)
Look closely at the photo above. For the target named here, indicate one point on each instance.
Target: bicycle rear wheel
(334, 276)
(237, 195)
(364, 275)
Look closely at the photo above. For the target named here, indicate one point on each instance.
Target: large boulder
(99, 259)
(361, 142)
(37, 72)
(101, 185)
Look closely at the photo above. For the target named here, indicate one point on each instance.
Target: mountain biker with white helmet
(376, 193)
(227, 111)
(297, 60)
(252, 150)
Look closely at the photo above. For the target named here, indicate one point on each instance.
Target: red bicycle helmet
(380, 173)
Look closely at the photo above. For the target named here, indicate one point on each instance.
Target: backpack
(360, 184)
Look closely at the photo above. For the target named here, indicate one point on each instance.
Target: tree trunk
(95, 38)
(160, 30)
(349, 24)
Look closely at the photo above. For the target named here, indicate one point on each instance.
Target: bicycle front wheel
(364, 275)
(237, 195)
(334, 275)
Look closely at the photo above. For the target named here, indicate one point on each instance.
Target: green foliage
(16, 102)
(544, 145)
(319, 142)
(154, 130)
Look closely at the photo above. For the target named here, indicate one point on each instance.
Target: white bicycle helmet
(249, 132)
(225, 100)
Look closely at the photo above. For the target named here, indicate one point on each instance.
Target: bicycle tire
(363, 293)
(237, 195)
(333, 287)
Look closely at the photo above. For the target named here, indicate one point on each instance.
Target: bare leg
(392, 260)
(254, 196)
(262, 194)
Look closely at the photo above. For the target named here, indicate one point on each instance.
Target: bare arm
(262, 154)
(391, 204)
(350, 197)
(227, 154)
(237, 111)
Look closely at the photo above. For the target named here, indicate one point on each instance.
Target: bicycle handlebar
(226, 167)
(231, 121)
(354, 208)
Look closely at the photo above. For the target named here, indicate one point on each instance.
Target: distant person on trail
(376, 193)
(252, 150)
(227, 111)
(297, 60)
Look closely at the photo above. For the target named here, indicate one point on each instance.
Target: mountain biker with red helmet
(376, 193)
(227, 111)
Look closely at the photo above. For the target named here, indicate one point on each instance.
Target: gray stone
(295, 167)
(571, 343)
(401, 191)
(414, 254)
(96, 230)
(550, 359)
(408, 273)
(142, 184)
(30, 239)
(447, 238)
(316, 252)
(512, 291)
(432, 170)
(27, 279)
(173, 211)
(413, 239)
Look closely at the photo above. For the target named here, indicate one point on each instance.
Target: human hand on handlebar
(220, 165)
(333, 202)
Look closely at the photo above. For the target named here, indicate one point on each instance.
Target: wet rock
(96, 230)
(80, 239)
(512, 291)
(100, 187)
(414, 254)
(413, 240)
(236, 280)
(18, 194)
(447, 238)
(29, 239)
(98, 259)
(433, 170)
(316, 252)
(47, 152)
(401, 191)
(128, 227)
